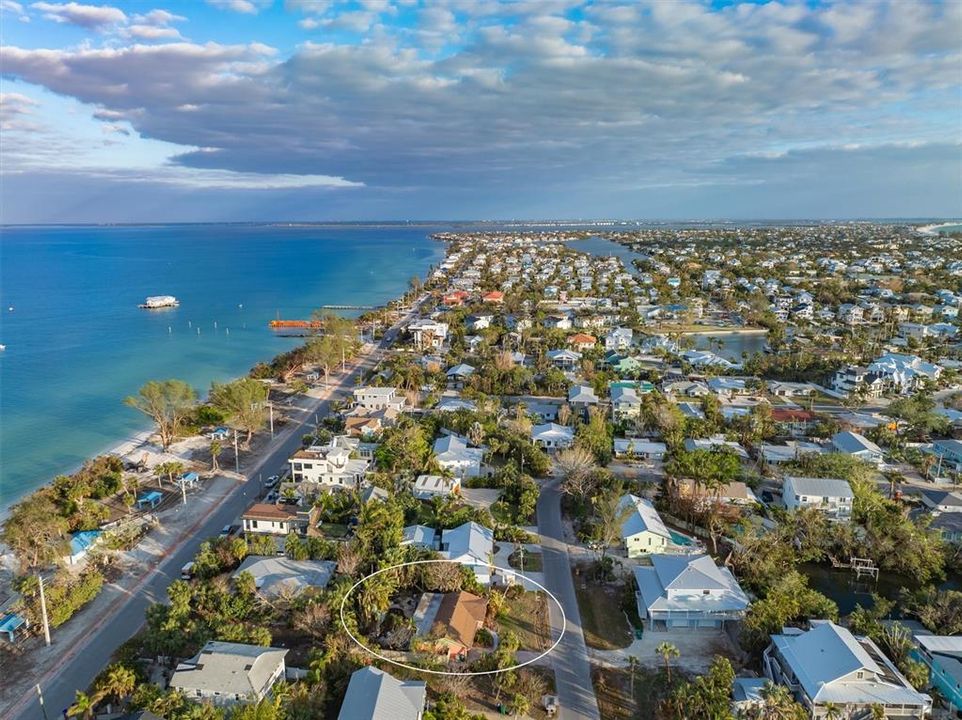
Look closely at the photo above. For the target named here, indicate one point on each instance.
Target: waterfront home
(852, 378)
(625, 403)
(373, 694)
(283, 577)
(639, 449)
(564, 359)
(428, 333)
(420, 536)
(582, 341)
(728, 386)
(271, 519)
(705, 359)
(942, 654)
(448, 622)
(453, 454)
(828, 665)
(949, 454)
(327, 467)
(377, 398)
(81, 543)
(643, 530)
(688, 591)
(779, 388)
(552, 436)
(581, 397)
(858, 446)
(904, 373)
(225, 673)
(470, 544)
(832, 496)
(427, 487)
(942, 501)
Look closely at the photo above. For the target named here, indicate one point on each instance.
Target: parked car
(187, 572)
(272, 481)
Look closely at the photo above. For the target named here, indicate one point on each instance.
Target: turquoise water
(679, 539)
(76, 343)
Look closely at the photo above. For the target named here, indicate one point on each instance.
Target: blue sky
(473, 109)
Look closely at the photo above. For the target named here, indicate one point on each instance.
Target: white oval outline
(365, 648)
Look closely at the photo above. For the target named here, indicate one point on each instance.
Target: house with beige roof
(226, 673)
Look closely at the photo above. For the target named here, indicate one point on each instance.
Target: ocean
(77, 344)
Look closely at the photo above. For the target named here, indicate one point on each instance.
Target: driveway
(576, 694)
(74, 665)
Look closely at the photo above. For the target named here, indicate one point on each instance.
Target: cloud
(248, 7)
(182, 177)
(536, 99)
(14, 8)
(85, 16)
(13, 109)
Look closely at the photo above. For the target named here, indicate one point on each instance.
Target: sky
(249, 110)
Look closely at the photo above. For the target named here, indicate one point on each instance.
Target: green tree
(168, 403)
(789, 599)
(115, 683)
(35, 531)
(667, 652)
(169, 469)
(244, 402)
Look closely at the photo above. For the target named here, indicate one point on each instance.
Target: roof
(468, 540)
(275, 575)
(820, 487)
(849, 442)
(784, 414)
(372, 694)
(679, 582)
(229, 668)
(418, 535)
(552, 430)
(82, 541)
(459, 615)
(644, 518)
(268, 511)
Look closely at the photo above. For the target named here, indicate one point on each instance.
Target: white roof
(372, 694)
(229, 668)
(552, 431)
(639, 447)
(470, 540)
(418, 535)
(275, 575)
(386, 392)
(849, 442)
(679, 582)
(435, 483)
(644, 518)
(819, 487)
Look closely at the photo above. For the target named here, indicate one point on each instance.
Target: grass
(335, 530)
(526, 615)
(602, 619)
(613, 690)
(532, 561)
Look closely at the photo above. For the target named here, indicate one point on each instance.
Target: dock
(348, 307)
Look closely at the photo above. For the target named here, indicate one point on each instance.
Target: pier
(348, 307)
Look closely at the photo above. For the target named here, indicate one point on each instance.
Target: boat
(155, 302)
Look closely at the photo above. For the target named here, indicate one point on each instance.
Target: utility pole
(43, 611)
(270, 407)
(43, 707)
(183, 489)
(236, 456)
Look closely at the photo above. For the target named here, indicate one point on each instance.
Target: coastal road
(80, 663)
(576, 695)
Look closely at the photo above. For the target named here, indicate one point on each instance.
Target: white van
(187, 572)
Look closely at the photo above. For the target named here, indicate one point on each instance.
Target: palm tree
(170, 469)
(83, 706)
(520, 704)
(215, 449)
(667, 652)
(832, 711)
(116, 682)
(632, 664)
(878, 712)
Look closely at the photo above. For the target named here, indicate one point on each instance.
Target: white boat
(155, 302)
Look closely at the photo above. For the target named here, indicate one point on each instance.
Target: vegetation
(168, 403)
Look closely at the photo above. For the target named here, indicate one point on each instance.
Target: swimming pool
(679, 539)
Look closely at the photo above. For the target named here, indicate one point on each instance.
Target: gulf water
(77, 344)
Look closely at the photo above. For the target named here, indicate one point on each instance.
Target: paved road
(576, 694)
(81, 663)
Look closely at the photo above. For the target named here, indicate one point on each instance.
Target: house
(580, 397)
(832, 496)
(949, 526)
(225, 673)
(81, 543)
(428, 333)
(373, 493)
(420, 536)
(793, 421)
(904, 373)
(564, 359)
(448, 622)
(715, 443)
(362, 426)
(478, 322)
(643, 530)
(779, 388)
(942, 654)
(859, 446)
(493, 296)
(459, 373)
(688, 591)
(619, 339)
(625, 403)
(283, 577)
(827, 664)
(470, 544)
(789, 452)
(373, 694)
(639, 449)
(330, 467)
(624, 365)
(455, 299)
(685, 388)
(552, 436)
(452, 453)
(453, 404)
(377, 398)
(733, 493)
(558, 322)
(852, 378)
(942, 501)
(728, 386)
(949, 453)
(427, 487)
(582, 341)
(270, 519)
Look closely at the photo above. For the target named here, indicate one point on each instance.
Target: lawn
(602, 619)
(526, 614)
(532, 561)
(613, 690)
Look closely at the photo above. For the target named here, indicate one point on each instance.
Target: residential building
(688, 591)
(420, 536)
(427, 487)
(639, 449)
(942, 501)
(271, 519)
(283, 577)
(552, 436)
(643, 531)
(470, 544)
(452, 453)
(715, 442)
(377, 398)
(733, 493)
(618, 339)
(449, 622)
(949, 453)
(564, 359)
(373, 694)
(329, 466)
(828, 665)
(625, 403)
(943, 656)
(581, 397)
(225, 673)
(859, 446)
(582, 341)
(428, 333)
(832, 496)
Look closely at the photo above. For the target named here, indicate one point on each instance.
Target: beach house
(832, 496)
(225, 673)
(279, 519)
(447, 622)
(377, 398)
(859, 446)
(427, 487)
(470, 544)
(625, 403)
(688, 591)
(373, 694)
(329, 467)
(452, 453)
(943, 656)
(552, 436)
(643, 531)
(283, 577)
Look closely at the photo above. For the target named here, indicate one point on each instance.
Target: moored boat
(155, 302)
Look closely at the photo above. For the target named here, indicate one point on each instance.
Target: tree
(324, 352)
(244, 402)
(632, 664)
(35, 531)
(577, 466)
(168, 403)
(82, 707)
(788, 600)
(610, 513)
(216, 446)
(667, 652)
(596, 436)
(169, 469)
(116, 682)
(520, 704)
